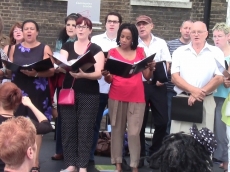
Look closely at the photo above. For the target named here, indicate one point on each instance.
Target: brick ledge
(162, 3)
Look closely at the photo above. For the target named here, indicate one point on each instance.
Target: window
(163, 3)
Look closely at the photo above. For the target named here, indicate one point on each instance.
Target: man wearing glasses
(155, 92)
(196, 75)
(173, 45)
(106, 41)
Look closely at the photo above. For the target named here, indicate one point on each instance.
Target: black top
(43, 127)
(81, 85)
(36, 88)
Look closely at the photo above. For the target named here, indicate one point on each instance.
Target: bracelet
(36, 75)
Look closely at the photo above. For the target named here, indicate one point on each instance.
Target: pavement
(48, 165)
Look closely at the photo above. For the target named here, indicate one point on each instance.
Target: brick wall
(50, 15)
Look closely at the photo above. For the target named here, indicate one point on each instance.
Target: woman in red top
(126, 97)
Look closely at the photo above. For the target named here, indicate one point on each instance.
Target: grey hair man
(173, 45)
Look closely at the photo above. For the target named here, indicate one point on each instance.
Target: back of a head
(10, 96)
(16, 136)
(183, 153)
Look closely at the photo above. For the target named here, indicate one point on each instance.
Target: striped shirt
(172, 45)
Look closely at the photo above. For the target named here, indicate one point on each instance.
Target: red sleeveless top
(127, 89)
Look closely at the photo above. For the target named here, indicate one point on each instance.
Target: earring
(132, 43)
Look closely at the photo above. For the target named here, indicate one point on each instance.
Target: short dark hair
(134, 32)
(182, 153)
(63, 36)
(114, 14)
(72, 16)
(30, 21)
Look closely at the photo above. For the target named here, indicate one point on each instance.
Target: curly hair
(133, 31)
(182, 153)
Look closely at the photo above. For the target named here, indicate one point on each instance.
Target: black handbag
(181, 111)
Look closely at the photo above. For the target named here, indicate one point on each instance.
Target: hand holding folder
(124, 69)
(160, 74)
(84, 61)
(39, 66)
(181, 111)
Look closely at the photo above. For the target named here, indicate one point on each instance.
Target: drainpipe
(207, 10)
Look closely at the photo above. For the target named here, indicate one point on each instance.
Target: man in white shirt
(106, 41)
(173, 45)
(155, 92)
(195, 74)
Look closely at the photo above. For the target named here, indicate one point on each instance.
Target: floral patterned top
(36, 88)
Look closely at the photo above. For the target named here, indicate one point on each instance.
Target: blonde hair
(16, 136)
(221, 27)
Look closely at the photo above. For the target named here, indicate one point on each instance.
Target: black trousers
(156, 99)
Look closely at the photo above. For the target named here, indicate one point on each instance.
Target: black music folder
(124, 69)
(223, 68)
(181, 111)
(39, 66)
(84, 61)
(160, 74)
(226, 65)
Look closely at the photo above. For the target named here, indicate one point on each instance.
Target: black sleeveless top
(81, 85)
(36, 88)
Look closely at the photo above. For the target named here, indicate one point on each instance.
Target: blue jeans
(102, 105)
(170, 94)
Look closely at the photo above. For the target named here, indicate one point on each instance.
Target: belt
(188, 94)
(148, 82)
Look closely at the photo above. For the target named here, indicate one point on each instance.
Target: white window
(163, 3)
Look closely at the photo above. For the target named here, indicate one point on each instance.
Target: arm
(39, 115)
(5, 49)
(99, 65)
(43, 126)
(197, 93)
(107, 76)
(213, 84)
(148, 72)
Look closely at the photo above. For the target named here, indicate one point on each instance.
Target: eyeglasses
(81, 27)
(113, 21)
(17, 30)
(197, 32)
